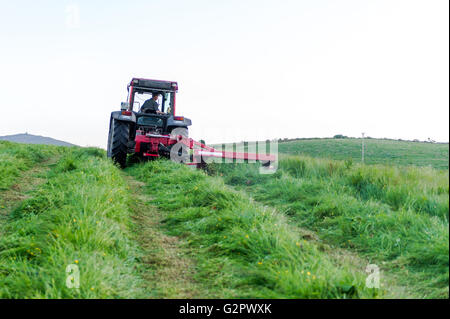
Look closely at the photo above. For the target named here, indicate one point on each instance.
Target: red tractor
(144, 132)
(153, 132)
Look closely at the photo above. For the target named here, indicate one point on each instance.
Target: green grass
(396, 216)
(80, 216)
(377, 151)
(17, 158)
(242, 249)
(307, 231)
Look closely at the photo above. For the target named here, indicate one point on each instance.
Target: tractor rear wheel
(119, 133)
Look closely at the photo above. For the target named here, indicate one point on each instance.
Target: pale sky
(246, 70)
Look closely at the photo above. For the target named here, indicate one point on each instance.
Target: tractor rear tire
(119, 133)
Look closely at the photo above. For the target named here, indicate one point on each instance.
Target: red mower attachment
(161, 145)
(203, 152)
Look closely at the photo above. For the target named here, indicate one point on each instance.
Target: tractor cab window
(165, 100)
(140, 98)
(168, 102)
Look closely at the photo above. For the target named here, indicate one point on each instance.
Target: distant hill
(34, 139)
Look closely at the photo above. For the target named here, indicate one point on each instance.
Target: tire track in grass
(168, 270)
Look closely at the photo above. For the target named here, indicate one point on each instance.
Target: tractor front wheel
(119, 133)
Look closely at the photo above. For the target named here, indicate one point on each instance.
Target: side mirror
(124, 106)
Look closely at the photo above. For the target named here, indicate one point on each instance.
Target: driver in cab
(151, 105)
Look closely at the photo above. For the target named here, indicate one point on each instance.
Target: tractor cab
(162, 121)
(141, 90)
(164, 100)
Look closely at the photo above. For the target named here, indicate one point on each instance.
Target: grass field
(79, 218)
(163, 230)
(397, 217)
(17, 158)
(377, 151)
(242, 249)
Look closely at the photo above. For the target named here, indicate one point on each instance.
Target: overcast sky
(246, 69)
